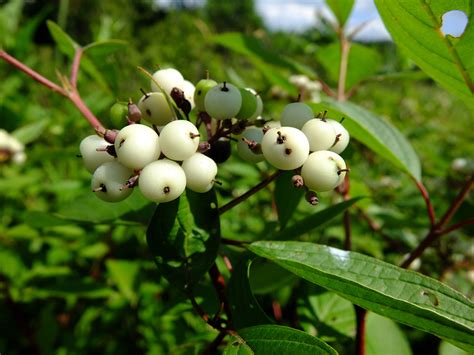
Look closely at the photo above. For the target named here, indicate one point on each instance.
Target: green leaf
(101, 49)
(266, 277)
(90, 209)
(341, 9)
(65, 43)
(287, 197)
(375, 133)
(384, 336)
(313, 221)
(69, 287)
(31, 132)
(446, 348)
(415, 26)
(404, 296)
(124, 273)
(363, 63)
(326, 314)
(245, 309)
(184, 236)
(277, 339)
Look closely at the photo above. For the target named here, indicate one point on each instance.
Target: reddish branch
(70, 91)
(438, 229)
(361, 316)
(429, 206)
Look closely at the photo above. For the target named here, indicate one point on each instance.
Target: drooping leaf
(375, 133)
(184, 236)
(103, 48)
(415, 26)
(384, 336)
(341, 9)
(276, 339)
(245, 309)
(267, 277)
(313, 221)
(66, 44)
(404, 296)
(287, 197)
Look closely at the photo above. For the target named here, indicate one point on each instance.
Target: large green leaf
(245, 309)
(415, 25)
(341, 9)
(402, 295)
(184, 236)
(124, 273)
(313, 221)
(376, 133)
(277, 339)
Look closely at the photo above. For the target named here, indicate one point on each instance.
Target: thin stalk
(361, 317)
(250, 192)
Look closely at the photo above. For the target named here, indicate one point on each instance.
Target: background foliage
(76, 276)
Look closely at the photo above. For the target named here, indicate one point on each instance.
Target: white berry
(155, 109)
(320, 133)
(108, 182)
(167, 79)
(285, 148)
(137, 145)
(323, 171)
(162, 181)
(342, 137)
(296, 115)
(252, 134)
(200, 172)
(90, 156)
(179, 140)
(223, 101)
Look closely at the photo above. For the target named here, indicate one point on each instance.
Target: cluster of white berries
(164, 159)
(11, 149)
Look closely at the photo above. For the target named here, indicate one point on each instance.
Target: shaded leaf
(65, 43)
(313, 221)
(287, 197)
(415, 26)
(184, 236)
(266, 277)
(245, 309)
(384, 336)
(375, 133)
(405, 296)
(276, 339)
(101, 49)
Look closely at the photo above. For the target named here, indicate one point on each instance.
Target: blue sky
(299, 15)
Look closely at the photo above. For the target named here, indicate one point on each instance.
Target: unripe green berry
(162, 181)
(118, 113)
(323, 171)
(200, 172)
(108, 181)
(248, 106)
(155, 109)
(223, 101)
(179, 140)
(202, 87)
(296, 115)
(320, 133)
(137, 145)
(285, 148)
(167, 79)
(258, 111)
(91, 156)
(245, 152)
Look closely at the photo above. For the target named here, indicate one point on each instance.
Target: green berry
(296, 115)
(202, 87)
(248, 106)
(223, 101)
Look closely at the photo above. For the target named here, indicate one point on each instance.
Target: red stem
(429, 206)
(34, 75)
(72, 94)
(456, 203)
(75, 67)
(457, 226)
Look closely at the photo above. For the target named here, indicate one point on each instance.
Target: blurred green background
(75, 273)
